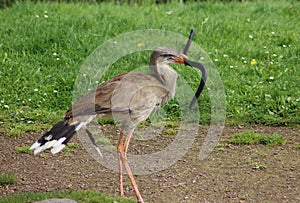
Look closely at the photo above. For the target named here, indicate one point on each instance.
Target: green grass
(70, 146)
(19, 120)
(249, 137)
(8, 179)
(23, 149)
(258, 166)
(170, 131)
(172, 124)
(43, 46)
(79, 196)
(103, 121)
(297, 146)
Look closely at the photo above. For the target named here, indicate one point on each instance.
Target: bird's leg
(120, 151)
(127, 168)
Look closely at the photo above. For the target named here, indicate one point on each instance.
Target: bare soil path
(247, 173)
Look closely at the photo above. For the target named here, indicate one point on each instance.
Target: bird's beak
(180, 58)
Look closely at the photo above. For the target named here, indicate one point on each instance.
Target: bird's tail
(57, 137)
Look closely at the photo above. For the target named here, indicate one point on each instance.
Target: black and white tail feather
(59, 135)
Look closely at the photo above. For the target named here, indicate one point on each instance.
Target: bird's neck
(166, 75)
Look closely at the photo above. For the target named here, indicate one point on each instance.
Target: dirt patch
(248, 173)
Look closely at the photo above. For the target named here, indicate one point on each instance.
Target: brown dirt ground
(227, 175)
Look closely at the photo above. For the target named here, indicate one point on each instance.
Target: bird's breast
(137, 96)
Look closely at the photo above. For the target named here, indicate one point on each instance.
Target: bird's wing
(97, 101)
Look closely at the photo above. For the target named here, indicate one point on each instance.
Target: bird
(129, 98)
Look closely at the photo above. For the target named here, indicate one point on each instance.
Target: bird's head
(166, 55)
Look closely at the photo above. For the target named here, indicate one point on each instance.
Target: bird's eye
(169, 56)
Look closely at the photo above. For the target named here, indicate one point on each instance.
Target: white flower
(231, 66)
(271, 78)
(250, 36)
(36, 89)
(55, 91)
(45, 16)
(273, 33)
(6, 106)
(55, 54)
(268, 95)
(37, 16)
